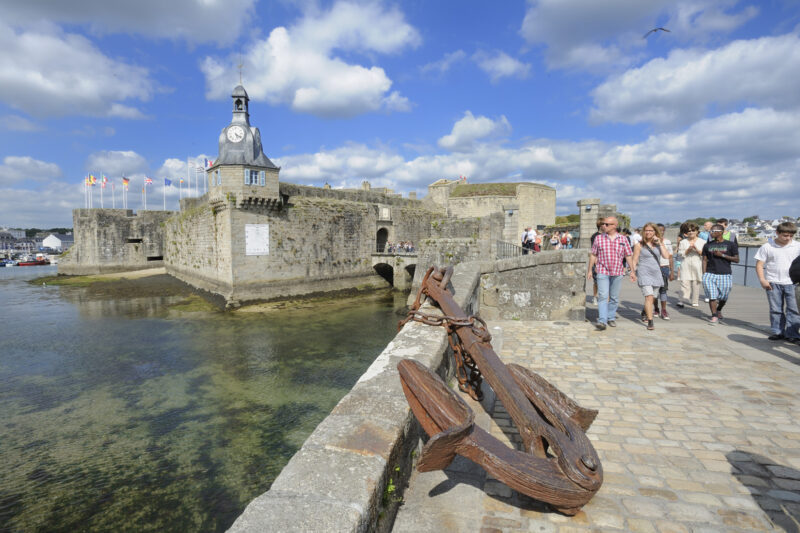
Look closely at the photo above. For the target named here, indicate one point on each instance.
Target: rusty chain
(467, 372)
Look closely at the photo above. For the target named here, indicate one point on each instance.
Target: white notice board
(256, 239)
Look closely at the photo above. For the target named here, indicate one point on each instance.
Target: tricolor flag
(92, 179)
(148, 181)
(209, 163)
(126, 182)
(167, 182)
(181, 180)
(105, 179)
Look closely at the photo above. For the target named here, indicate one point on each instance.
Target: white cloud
(444, 64)
(46, 72)
(679, 89)
(48, 207)
(24, 168)
(297, 66)
(733, 165)
(18, 123)
(194, 20)
(470, 128)
(592, 35)
(501, 65)
(116, 163)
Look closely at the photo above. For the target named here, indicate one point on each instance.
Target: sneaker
(719, 315)
(600, 326)
(706, 300)
(612, 323)
(679, 305)
(714, 321)
(664, 314)
(594, 300)
(650, 325)
(695, 304)
(777, 337)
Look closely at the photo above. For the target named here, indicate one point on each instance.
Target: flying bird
(655, 30)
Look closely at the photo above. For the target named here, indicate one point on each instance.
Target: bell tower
(242, 173)
(241, 103)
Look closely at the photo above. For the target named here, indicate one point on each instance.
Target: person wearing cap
(718, 255)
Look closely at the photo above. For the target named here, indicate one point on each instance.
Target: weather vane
(239, 66)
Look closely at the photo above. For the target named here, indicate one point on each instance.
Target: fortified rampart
(318, 240)
(522, 204)
(115, 240)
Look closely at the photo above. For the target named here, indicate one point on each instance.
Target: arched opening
(380, 240)
(386, 272)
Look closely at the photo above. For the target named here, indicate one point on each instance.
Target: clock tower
(242, 172)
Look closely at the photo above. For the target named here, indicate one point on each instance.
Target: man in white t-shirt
(636, 237)
(772, 266)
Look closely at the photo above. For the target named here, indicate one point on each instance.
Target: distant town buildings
(14, 241)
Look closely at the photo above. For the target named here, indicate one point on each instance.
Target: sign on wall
(256, 239)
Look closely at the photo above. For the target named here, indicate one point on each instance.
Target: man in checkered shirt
(608, 251)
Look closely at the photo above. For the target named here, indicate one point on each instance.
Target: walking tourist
(646, 266)
(773, 260)
(555, 241)
(593, 269)
(527, 244)
(608, 251)
(727, 235)
(690, 251)
(667, 272)
(718, 254)
(706, 233)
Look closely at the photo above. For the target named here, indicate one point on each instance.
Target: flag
(125, 182)
(167, 182)
(103, 184)
(206, 162)
(105, 179)
(86, 181)
(181, 180)
(148, 181)
(92, 179)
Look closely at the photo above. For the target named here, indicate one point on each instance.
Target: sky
(699, 120)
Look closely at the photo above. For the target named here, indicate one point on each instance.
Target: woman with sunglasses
(646, 262)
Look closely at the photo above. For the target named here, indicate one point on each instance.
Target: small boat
(8, 263)
(33, 262)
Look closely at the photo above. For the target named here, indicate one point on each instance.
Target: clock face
(235, 134)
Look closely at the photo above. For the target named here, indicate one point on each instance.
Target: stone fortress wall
(115, 240)
(319, 241)
(523, 204)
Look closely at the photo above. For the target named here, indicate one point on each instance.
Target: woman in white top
(691, 273)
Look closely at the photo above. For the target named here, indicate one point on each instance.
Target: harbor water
(124, 413)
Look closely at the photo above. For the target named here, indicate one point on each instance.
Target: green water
(119, 415)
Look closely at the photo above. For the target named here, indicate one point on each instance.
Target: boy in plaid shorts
(718, 254)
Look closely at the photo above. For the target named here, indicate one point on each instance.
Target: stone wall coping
(336, 481)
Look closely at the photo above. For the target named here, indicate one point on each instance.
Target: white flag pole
(165, 194)
(113, 197)
(102, 188)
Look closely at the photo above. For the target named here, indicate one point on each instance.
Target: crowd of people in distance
(532, 241)
(699, 258)
(402, 247)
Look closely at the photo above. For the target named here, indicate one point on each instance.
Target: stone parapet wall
(115, 240)
(354, 195)
(543, 286)
(338, 479)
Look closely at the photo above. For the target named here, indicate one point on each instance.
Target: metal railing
(744, 272)
(507, 249)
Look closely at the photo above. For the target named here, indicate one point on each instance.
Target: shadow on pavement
(768, 346)
(774, 487)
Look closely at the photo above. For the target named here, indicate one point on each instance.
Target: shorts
(717, 286)
(649, 290)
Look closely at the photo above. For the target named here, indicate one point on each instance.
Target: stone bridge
(397, 269)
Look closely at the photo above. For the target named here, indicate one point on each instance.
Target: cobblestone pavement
(697, 430)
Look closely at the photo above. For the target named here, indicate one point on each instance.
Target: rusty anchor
(558, 464)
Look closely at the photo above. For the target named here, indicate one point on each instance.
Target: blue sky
(702, 120)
